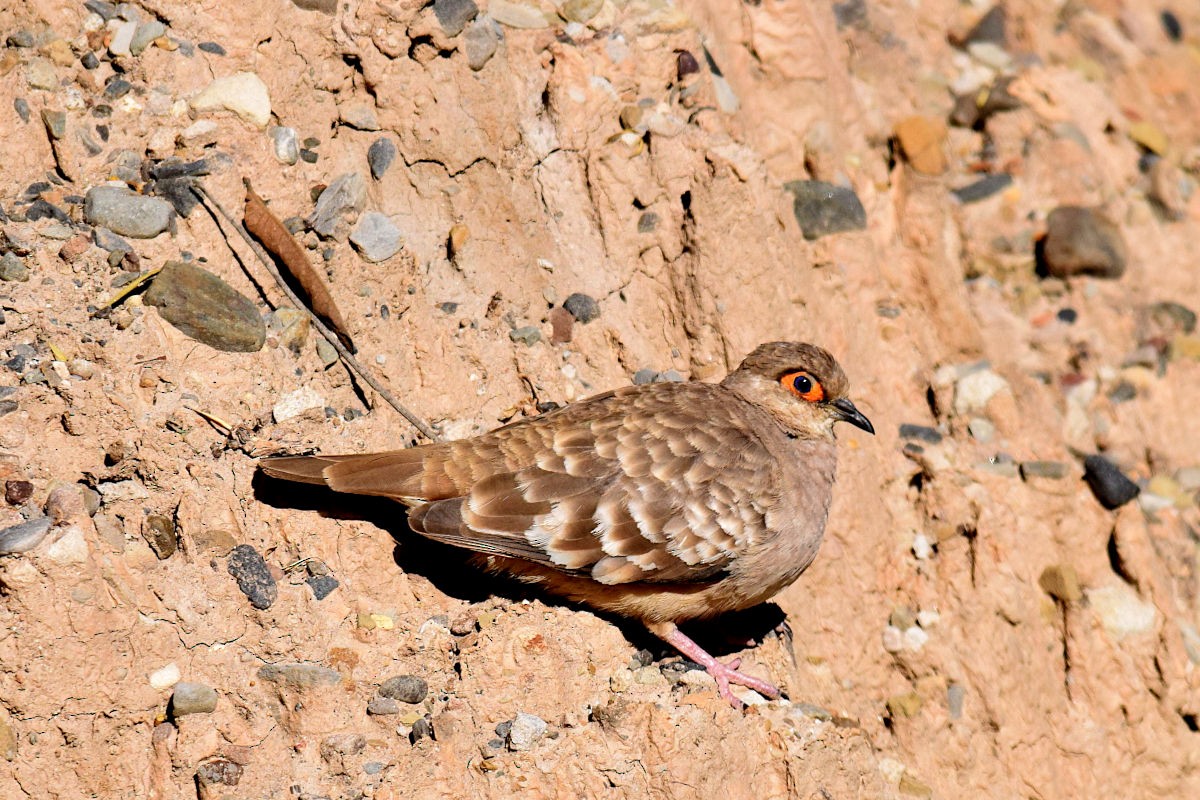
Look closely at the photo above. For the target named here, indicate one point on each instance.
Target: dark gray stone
(23, 537)
(582, 307)
(990, 28)
(253, 576)
(380, 156)
(1079, 241)
(21, 106)
(206, 308)
(983, 188)
(850, 14)
(212, 48)
(1110, 486)
(405, 688)
(824, 208)
(324, 6)
(920, 433)
(105, 11)
(453, 15)
(322, 585)
(421, 729)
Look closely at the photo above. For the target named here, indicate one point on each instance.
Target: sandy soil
(939, 646)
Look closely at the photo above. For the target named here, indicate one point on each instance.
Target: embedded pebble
(1110, 486)
(324, 6)
(23, 537)
(41, 75)
(322, 585)
(127, 213)
(70, 547)
(973, 390)
(1061, 582)
(206, 308)
(253, 576)
(1079, 241)
(382, 706)
(453, 15)
(192, 698)
(146, 33)
(517, 14)
(405, 688)
(342, 744)
(300, 675)
(921, 433)
(286, 143)
(159, 533)
(296, 403)
(529, 335)
(219, 771)
(421, 729)
(12, 268)
(380, 156)
(345, 194)
(359, 116)
(21, 106)
(481, 40)
(582, 307)
(165, 677)
(1055, 470)
(376, 237)
(16, 492)
(923, 140)
(525, 731)
(983, 188)
(243, 93)
(122, 38)
(1121, 611)
(824, 208)
(212, 47)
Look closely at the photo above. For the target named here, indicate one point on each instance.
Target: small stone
(562, 323)
(923, 140)
(89, 61)
(990, 28)
(983, 188)
(253, 576)
(21, 38)
(973, 391)
(55, 122)
(910, 786)
(1121, 611)
(327, 353)
(481, 39)
(1061, 582)
(25, 536)
(218, 772)
(647, 222)
(920, 433)
(205, 308)
(1054, 470)
(955, 694)
(165, 677)
(69, 548)
(296, 403)
(644, 376)
(243, 93)
(342, 744)
(373, 767)
(21, 106)
(581, 11)
(302, 676)
(60, 52)
(405, 688)
(192, 698)
(12, 268)
(16, 492)
(1170, 189)
(381, 154)
(1171, 25)
(286, 143)
(892, 639)
(582, 307)
(530, 335)
(212, 47)
(8, 740)
(216, 541)
(323, 6)
(1150, 137)
(41, 75)
(127, 213)
(526, 730)
(1108, 483)
(291, 327)
(1079, 241)
(122, 38)
(75, 247)
(379, 706)
(322, 585)
(904, 705)
(421, 729)
(159, 533)
(518, 15)
(347, 193)
(376, 237)
(146, 33)
(359, 116)
(824, 208)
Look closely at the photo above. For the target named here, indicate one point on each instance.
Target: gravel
(253, 577)
(1110, 486)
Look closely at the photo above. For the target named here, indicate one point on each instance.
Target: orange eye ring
(803, 385)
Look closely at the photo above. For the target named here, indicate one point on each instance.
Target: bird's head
(800, 385)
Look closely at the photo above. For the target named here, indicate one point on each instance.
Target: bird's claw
(725, 674)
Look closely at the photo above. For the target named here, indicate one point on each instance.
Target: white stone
(928, 618)
(517, 15)
(200, 133)
(526, 731)
(70, 547)
(1121, 611)
(122, 37)
(922, 548)
(243, 93)
(915, 638)
(122, 490)
(166, 677)
(293, 405)
(286, 144)
(893, 639)
(974, 390)
(376, 237)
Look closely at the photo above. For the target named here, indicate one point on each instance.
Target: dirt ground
(977, 624)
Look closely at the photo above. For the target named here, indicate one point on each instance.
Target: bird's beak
(846, 412)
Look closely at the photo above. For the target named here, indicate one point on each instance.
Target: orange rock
(923, 140)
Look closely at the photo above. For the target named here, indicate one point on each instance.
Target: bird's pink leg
(723, 674)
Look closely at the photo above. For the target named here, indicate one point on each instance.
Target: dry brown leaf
(279, 242)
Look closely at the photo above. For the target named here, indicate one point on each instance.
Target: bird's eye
(804, 386)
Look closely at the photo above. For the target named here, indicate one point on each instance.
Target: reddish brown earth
(1007, 679)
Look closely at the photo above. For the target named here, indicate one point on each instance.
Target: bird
(663, 502)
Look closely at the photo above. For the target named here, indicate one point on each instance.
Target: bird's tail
(415, 474)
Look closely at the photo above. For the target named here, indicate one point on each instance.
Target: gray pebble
(670, 376)
(253, 577)
(480, 39)
(212, 47)
(309, 156)
(373, 767)
(347, 193)
(530, 335)
(207, 309)
(21, 106)
(582, 307)
(218, 772)
(192, 698)
(13, 268)
(920, 433)
(983, 188)
(405, 688)
(1055, 470)
(129, 12)
(824, 208)
(453, 15)
(322, 585)
(117, 88)
(21, 38)
(850, 14)
(25, 536)
(990, 28)
(159, 533)
(380, 706)
(127, 213)
(55, 122)
(41, 74)
(1108, 483)
(89, 60)
(146, 33)
(285, 143)
(644, 376)
(647, 222)
(324, 6)
(107, 240)
(421, 729)
(526, 731)
(303, 676)
(380, 156)
(105, 11)
(955, 694)
(376, 237)
(1079, 241)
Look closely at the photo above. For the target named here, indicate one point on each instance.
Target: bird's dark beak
(846, 412)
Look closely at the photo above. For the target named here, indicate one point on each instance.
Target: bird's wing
(666, 483)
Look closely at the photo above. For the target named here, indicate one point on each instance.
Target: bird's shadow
(449, 570)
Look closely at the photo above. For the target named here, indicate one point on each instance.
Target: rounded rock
(405, 688)
(192, 698)
(127, 213)
(582, 307)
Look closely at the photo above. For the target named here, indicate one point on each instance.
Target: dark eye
(802, 384)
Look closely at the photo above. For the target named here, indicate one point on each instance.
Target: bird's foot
(723, 674)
